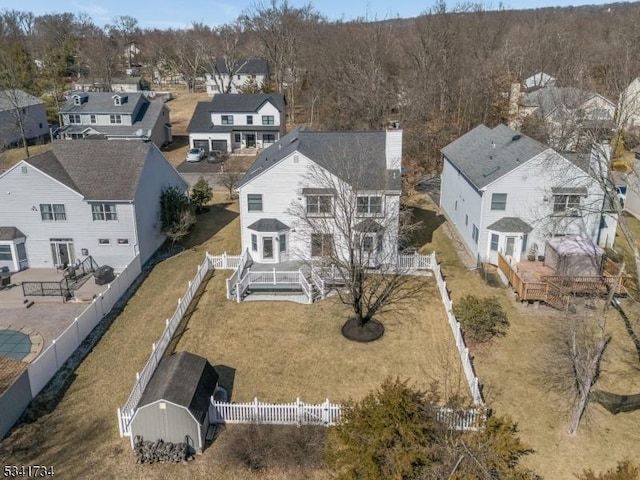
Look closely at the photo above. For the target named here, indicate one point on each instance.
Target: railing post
(274, 277)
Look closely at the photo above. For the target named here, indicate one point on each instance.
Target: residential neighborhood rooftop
(97, 169)
(355, 157)
(485, 154)
(9, 98)
(549, 98)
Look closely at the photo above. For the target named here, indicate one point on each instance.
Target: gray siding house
(505, 192)
(116, 116)
(175, 404)
(17, 106)
(231, 122)
(86, 197)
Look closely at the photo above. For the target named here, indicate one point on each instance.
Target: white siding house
(116, 116)
(231, 122)
(230, 77)
(505, 192)
(90, 197)
(304, 174)
(18, 107)
(629, 106)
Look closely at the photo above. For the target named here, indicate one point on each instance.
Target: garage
(203, 144)
(175, 404)
(220, 145)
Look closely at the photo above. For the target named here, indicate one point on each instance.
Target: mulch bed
(370, 331)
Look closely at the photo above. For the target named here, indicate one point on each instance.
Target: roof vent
(515, 138)
(490, 170)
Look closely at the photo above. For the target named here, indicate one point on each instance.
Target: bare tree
(228, 178)
(227, 62)
(124, 29)
(353, 230)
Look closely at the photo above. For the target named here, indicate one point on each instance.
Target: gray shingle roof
(549, 98)
(255, 66)
(147, 117)
(510, 225)
(268, 225)
(358, 158)
(230, 103)
(184, 379)
(484, 154)
(9, 98)
(102, 102)
(10, 233)
(97, 169)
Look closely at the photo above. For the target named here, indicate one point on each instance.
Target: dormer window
(119, 100)
(77, 100)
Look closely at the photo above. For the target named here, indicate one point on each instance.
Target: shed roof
(357, 158)
(185, 379)
(97, 169)
(485, 154)
(574, 245)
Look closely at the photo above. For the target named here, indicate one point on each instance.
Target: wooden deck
(533, 281)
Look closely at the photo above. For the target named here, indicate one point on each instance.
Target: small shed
(175, 405)
(573, 256)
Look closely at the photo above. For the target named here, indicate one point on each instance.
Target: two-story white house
(231, 122)
(505, 192)
(18, 107)
(87, 197)
(116, 116)
(347, 181)
(230, 77)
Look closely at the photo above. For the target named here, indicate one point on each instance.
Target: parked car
(195, 155)
(621, 193)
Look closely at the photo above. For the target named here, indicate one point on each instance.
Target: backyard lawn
(279, 354)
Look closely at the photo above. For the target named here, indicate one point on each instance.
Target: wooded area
(439, 74)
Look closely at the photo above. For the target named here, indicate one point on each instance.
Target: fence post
(326, 414)
(299, 406)
(255, 410)
(274, 277)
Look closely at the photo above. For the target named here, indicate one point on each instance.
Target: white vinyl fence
(416, 261)
(472, 379)
(125, 414)
(326, 414)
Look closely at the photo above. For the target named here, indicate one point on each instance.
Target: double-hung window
(115, 119)
(369, 205)
(52, 212)
(254, 202)
(268, 120)
(74, 118)
(499, 201)
(321, 244)
(566, 203)
(226, 119)
(104, 211)
(319, 204)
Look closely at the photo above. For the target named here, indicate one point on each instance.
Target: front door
(509, 248)
(267, 248)
(251, 140)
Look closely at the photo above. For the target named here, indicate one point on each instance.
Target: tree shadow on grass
(209, 222)
(429, 222)
(226, 378)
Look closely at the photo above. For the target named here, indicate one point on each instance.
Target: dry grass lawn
(9, 157)
(514, 379)
(278, 353)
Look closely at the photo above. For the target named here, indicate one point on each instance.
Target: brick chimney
(393, 146)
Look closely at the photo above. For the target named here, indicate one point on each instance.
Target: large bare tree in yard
(351, 217)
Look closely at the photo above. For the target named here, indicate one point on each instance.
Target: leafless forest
(439, 74)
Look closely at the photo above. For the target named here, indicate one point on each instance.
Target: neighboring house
(223, 77)
(87, 197)
(18, 107)
(293, 176)
(117, 116)
(123, 84)
(538, 80)
(629, 106)
(505, 192)
(568, 115)
(230, 122)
